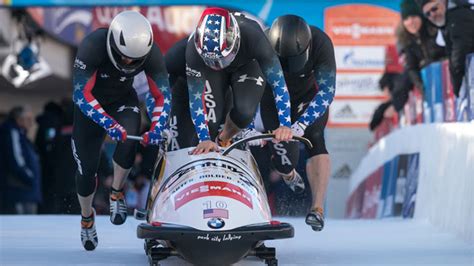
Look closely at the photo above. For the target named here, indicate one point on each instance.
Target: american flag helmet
(217, 37)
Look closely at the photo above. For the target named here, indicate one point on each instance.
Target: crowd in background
(429, 31)
(37, 177)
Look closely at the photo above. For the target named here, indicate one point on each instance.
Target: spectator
(20, 165)
(456, 20)
(62, 184)
(48, 126)
(386, 109)
(417, 41)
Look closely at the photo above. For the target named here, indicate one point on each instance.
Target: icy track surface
(55, 240)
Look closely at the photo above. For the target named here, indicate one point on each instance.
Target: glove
(152, 137)
(250, 132)
(298, 129)
(117, 132)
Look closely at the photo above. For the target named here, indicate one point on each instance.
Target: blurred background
(376, 94)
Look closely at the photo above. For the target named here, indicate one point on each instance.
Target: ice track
(54, 240)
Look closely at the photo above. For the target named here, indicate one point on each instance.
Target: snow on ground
(54, 240)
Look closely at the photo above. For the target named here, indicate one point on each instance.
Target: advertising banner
(372, 191)
(449, 101)
(387, 195)
(360, 24)
(426, 76)
(411, 185)
(433, 83)
(469, 80)
(350, 112)
(437, 92)
(70, 25)
(360, 58)
(360, 34)
(401, 179)
(169, 23)
(365, 84)
(355, 202)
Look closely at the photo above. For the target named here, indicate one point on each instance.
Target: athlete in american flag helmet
(230, 50)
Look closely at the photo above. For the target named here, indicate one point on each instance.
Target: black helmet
(290, 37)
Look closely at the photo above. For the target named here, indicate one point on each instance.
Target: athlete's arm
(325, 74)
(158, 98)
(89, 57)
(270, 64)
(196, 85)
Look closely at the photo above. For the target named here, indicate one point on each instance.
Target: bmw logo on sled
(212, 203)
(216, 223)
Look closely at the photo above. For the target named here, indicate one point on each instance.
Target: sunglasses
(432, 10)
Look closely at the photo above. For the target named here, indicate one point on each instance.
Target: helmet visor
(219, 63)
(125, 63)
(294, 64)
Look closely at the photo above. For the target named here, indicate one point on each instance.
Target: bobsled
(209, 209)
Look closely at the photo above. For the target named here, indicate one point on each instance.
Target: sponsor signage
(352, 113)
(411, 185)
(372, 191)
(355, 202)
(360, 58)
(212, 188)
(72, 24)
(360, 34)
(356, 84)
(359, 24)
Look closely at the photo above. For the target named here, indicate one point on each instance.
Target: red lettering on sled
(212, 188)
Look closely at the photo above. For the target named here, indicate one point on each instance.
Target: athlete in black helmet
(307, 57)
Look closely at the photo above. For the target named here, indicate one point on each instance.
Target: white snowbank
(445, 193)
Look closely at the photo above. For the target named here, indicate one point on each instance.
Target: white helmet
(130, 37)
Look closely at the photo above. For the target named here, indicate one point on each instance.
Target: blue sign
(389, 187)
(411, 185)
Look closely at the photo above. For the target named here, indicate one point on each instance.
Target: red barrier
(449, 101)
(386, 126)
(355, 201)
(373, 185)
(413, 109)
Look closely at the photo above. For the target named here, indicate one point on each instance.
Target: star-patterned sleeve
(84, 77)
(325, 75)
(196, 84)
(273, 72)
(197, 105)
(158, 98)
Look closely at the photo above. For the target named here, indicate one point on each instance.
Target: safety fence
(438, 104)
(424, 168)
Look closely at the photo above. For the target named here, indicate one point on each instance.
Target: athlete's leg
(318, 166)
(127, 113)
(87, 138)
(248, 86)
(318, 169)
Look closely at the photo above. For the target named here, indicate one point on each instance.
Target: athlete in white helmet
(106, 103)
